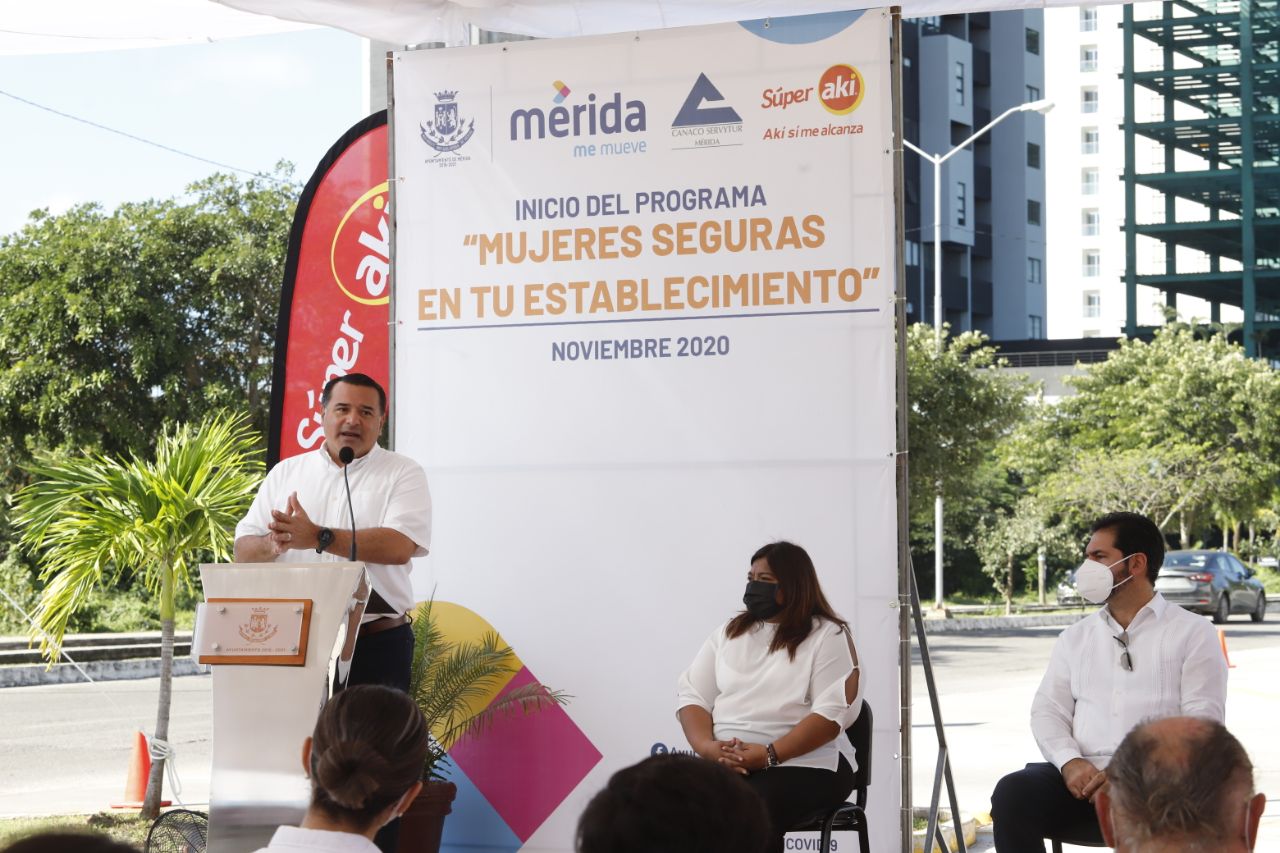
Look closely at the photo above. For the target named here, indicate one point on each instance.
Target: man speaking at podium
(301, 514)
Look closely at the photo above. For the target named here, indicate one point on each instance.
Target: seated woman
(771, 691)
(365, 762)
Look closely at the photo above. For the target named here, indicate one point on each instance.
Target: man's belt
(382, 623)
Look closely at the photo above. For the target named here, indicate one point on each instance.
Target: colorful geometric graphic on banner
(522, 766)
(474, 825)
(334, 304)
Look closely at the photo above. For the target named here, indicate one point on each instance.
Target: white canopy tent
(422, 21)
(85, 26)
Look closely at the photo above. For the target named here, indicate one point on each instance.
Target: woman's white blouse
(758, 697)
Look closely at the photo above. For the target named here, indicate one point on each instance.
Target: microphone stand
(345, 455)
(376, 605)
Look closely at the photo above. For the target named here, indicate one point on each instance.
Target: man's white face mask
(1094, 581)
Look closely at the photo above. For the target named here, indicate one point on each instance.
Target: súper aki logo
(360, 255)
(841, 89)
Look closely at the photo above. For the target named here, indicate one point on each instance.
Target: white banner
(644, 325)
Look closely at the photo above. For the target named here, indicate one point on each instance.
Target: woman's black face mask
(761, 599)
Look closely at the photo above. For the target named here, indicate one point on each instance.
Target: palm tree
(93, 519)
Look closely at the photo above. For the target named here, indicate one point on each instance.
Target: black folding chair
(850, 816)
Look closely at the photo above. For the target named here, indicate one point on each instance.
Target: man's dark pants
(384, 658)
(1033, 804)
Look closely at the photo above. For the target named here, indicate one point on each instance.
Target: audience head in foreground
(59, 841)
(365, 757)
(365, 762)
(674, 804)
(1180, 784)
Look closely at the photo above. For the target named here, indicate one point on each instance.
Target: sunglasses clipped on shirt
(1126, 660)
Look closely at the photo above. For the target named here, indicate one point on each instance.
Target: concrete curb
(32, 675)
(998, 623)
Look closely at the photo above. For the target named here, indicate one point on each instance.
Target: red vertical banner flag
(335, 303)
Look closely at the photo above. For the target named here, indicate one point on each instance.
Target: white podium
(277, 636)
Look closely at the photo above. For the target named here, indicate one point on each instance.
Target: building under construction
(1215, 69)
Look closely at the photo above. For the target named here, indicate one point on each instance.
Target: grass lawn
(122, 826)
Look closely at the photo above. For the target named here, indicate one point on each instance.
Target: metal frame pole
(393, 185)
(901, 468)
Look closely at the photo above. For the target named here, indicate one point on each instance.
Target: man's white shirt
(387, 490)
(1088, 702)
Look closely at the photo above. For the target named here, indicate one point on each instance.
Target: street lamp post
(1041, 106)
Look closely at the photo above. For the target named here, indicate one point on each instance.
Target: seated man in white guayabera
(1136, 658)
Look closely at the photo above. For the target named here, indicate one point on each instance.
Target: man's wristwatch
(323, 539)
(772, 760)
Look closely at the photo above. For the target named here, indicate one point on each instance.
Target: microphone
(376, 605)
(345, 455)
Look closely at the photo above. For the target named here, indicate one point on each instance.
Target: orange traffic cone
(135, 786)
(1222, 641)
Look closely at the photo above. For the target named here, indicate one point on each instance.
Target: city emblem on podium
(447, 131)
(258, 629)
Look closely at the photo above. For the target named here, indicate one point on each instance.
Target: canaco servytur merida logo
(706, 118)
(447, 131)
(705, 106)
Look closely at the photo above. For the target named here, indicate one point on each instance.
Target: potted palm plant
(454, 683)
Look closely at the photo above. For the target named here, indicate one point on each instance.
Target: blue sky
(248, 102)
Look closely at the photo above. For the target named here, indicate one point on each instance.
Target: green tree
(115, 324)
(1181, 427)
(961, 405)
(92, 518)
(112, 325)
(1009, 537)
(1002, 539)
(236, 303)
(1158, 482)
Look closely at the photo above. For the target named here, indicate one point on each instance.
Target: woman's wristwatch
(772, 759)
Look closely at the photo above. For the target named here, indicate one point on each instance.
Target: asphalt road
(66, 748)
